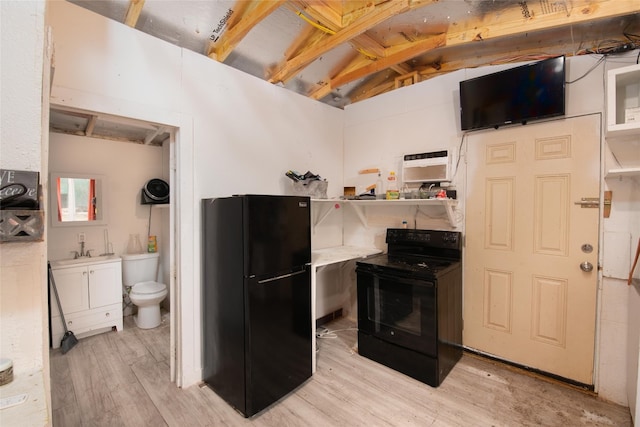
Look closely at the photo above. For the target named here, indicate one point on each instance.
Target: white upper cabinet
(623, 101)
(623, 121)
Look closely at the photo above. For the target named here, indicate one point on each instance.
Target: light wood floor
(122, 379)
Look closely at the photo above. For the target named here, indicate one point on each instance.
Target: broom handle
(55, 291)
(635, 262)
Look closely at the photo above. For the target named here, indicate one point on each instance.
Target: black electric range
(410, 303)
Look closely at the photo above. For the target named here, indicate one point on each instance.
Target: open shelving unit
(360, 207)
(623, 172)
(623, 132)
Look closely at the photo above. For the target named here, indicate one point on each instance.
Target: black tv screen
(518, 95)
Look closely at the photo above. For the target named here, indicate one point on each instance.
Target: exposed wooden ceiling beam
(511, 22)
(301, 41)
(517, 20)
(248, 15)
(371, 67)
(321, 12)
(380, 14)
(367, 44)
(337, 13)
(377, 84)
(133, 12)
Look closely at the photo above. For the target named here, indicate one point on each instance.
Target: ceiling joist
(380, 14)
(133, 12)
(251, 14)
(512, 22)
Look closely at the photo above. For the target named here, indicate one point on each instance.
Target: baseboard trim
(329, 317)
(535, 372)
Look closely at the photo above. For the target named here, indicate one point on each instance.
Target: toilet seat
(148, 288)
(147, 297)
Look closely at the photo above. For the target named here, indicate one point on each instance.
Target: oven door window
(398, 310)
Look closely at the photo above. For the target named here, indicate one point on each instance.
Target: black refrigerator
(256, 298)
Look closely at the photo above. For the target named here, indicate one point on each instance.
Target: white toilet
(139, 271)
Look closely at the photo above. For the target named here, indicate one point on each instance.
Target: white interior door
(527, 296)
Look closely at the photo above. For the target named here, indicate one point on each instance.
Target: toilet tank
(138, 268)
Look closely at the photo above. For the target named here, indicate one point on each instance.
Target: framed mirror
(77, 199)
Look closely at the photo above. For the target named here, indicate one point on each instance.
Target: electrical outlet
(80, 237)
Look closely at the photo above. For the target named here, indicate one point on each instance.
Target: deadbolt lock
(586, 248)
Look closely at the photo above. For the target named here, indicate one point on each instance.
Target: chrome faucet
(82, 252)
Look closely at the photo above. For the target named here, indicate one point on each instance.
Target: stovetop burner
(419, 253)
(415, 265)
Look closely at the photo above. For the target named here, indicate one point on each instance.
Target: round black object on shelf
(155, 191)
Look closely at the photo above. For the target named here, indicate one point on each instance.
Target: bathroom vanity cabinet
(90, 295)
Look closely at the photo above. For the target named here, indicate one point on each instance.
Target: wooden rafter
(248, 15)
(336, 13)
(371, 67)
(510, 22)
(380, 14)
(307, 38)
(133, 12)
(320, 11)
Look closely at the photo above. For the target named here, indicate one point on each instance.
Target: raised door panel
(72, 290)
(105, 284)
(551, 207)
(499, 219)
(498, 308)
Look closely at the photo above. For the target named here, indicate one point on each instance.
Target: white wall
(126, 168)
(237, 133)
(23, 303)
(425, 117)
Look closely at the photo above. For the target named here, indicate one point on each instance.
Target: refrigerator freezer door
(279, 320)
(278, 234)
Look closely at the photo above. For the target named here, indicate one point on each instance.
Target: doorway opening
(126, 153)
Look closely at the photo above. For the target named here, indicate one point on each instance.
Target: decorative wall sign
(19, 189)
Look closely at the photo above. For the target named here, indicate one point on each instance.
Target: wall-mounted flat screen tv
(518, 95)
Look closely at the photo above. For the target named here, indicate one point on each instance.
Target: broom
(68, 339)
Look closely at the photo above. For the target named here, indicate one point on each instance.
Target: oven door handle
(403, 277)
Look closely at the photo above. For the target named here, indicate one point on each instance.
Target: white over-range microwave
(434, 166)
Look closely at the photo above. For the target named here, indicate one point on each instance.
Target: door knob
(586, 266)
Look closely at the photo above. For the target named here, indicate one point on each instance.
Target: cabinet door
(105, 284)
(72, 289)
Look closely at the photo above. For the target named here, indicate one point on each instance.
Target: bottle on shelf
(152, 244)
(134, 246)
(379, 187)
(392, 187)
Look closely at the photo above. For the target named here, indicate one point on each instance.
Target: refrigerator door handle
(271, 279)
